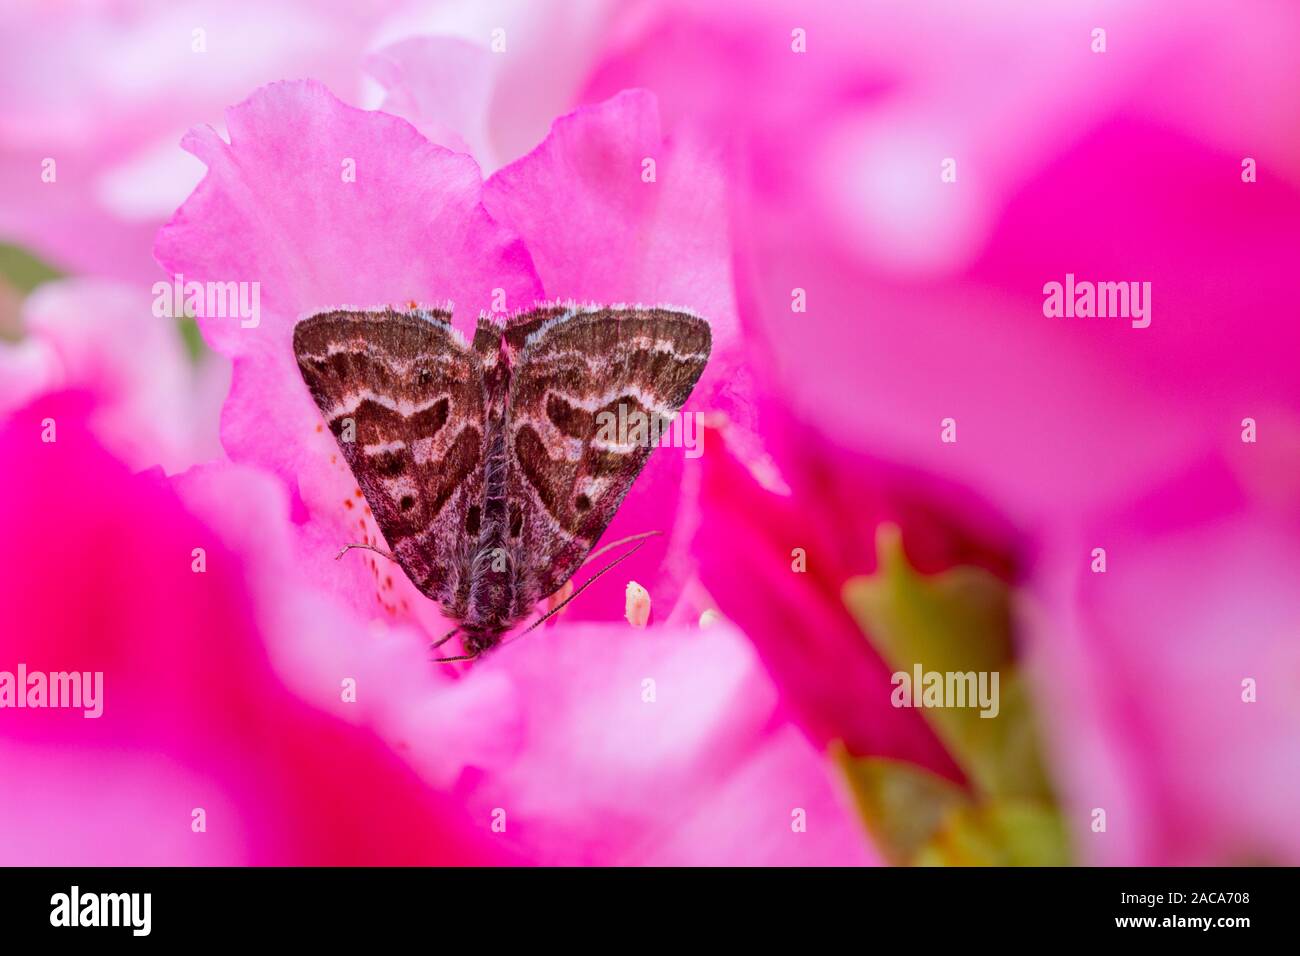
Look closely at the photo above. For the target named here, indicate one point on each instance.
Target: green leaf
(192, 337)
(1002, 833)
(24, 270)
(958, 621)
(915, 817)
(902, 805)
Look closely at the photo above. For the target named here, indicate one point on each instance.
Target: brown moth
(483, 463)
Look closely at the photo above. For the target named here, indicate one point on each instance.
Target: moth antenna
(445, 638)
(614, 544)
(451, 660)
(365, 547)
(585, 584)
(555, 610)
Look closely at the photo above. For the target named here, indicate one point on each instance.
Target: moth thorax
(492, 589)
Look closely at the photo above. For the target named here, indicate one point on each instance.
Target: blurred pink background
(912, 175)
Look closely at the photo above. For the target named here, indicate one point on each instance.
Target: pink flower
(351, 242)
(866, 204)
(597, 742)
(199, 755)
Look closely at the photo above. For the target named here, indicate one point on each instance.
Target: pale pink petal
(509, 68)
(442, 85)
(114, 85)
(618, 745)
(1145, 665)
(28, 367)
(781, 806)
(154, 404)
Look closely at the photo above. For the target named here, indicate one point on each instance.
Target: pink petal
(442, 85)
(599, 233)
(708, 767)
(648, 778)
(473, 69)
(589, 770)
(1145, 664)
(113, 87)
(154, 406)
(192, 714)
(924, 298)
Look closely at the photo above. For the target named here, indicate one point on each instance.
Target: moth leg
(364, 547)
(445, 638)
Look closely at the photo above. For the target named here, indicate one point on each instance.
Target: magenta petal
(835, 684)
(192, 714)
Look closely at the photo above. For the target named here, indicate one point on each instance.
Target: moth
(484, 463)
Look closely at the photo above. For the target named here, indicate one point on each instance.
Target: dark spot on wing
(571, 421)
(391, 463)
